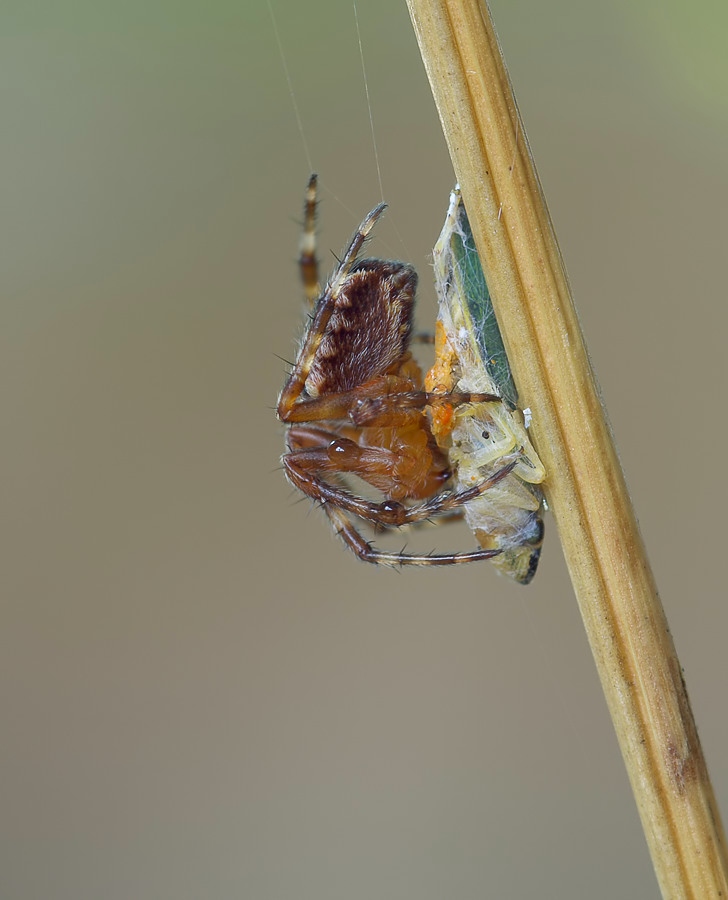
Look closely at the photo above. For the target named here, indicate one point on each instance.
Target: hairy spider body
(355, 404)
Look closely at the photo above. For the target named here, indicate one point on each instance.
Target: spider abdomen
(369, 329)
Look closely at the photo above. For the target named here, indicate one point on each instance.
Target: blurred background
(202, 693)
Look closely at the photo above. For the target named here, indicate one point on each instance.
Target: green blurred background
(202, 694)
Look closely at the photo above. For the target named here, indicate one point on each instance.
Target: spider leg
(364, 550)
(329, 407)
(447, 501)
(317, 453)
(307, 261)
(443, 518)
(303, 466)
(381, 402)
(304, 437)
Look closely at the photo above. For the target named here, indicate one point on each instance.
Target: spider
(354, 403)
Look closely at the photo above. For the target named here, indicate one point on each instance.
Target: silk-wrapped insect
(479, 437)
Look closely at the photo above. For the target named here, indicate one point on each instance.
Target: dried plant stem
(585, 487)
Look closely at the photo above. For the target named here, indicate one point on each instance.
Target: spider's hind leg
(364, 550)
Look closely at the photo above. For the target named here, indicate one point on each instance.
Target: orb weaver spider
(354, 403)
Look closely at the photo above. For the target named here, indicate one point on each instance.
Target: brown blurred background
(202, 693)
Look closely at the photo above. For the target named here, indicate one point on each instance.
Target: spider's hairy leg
(304, 467)
(324, 308)
(387, 411)
(370, 404)
(329, 407)
(364, 550)
(303, 437)
(307, 261)
(448, 501)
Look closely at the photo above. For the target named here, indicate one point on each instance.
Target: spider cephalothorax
(355, 404)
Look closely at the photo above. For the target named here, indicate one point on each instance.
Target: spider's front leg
(384, 401)
(307, 467)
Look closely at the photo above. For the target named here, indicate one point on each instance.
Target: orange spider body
(414, 467)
